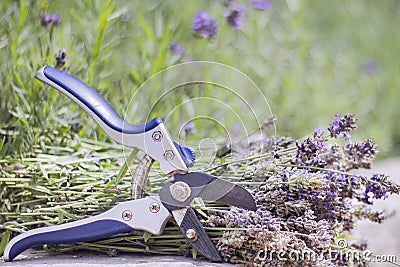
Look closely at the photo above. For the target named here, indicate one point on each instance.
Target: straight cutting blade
(194, 232)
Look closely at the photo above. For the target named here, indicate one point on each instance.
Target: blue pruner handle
(124, 217)
(151, 137)
(63, 234)
(91, 101)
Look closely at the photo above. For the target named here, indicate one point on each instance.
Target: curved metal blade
(237, 196)
(194, 232)
(210, 188)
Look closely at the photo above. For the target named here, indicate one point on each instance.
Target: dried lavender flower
(375, 189)
(309, 150)
(303, 208)
(360, 154)
(341, 127)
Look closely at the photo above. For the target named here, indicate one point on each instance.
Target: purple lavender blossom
(261, 4)
(335, 124)
(189, 128)
(235, 16)
(374, 188)
(237, 219)
(55, 18)
(327, 206)
(176, 49)
(285, 174)
(46, 19)
(341, 127)
(318, 132)
(203, 25)
(360, 154)
(61, 58)
(309, 151)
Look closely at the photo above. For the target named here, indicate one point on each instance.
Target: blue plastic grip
(186, 153)
(86, 232)
(95, 102)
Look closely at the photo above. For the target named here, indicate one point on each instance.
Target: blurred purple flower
(61, 58)
(234, 16)
(261, 4)
(176, 49)
(127, 16)
(46, 19)
(189, 128)
(55, 18)
(371, 67)
(204, 26)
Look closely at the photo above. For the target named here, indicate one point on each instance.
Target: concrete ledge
(93, 259)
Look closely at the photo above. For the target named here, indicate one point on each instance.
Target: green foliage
(4, 240)
(310, 58)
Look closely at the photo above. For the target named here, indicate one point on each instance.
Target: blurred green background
(312, 59)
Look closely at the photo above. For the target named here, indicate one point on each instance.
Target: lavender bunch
(307, 197)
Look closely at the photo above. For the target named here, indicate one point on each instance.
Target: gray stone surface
(93, 259)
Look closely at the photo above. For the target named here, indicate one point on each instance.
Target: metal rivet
(127, 215)
(180, 191)
(157, 136)
(154, 207)
(169, 154)
(191, 234)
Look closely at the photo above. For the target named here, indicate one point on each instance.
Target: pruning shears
(149, 213)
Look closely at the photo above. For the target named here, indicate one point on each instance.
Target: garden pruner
(149, 213)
